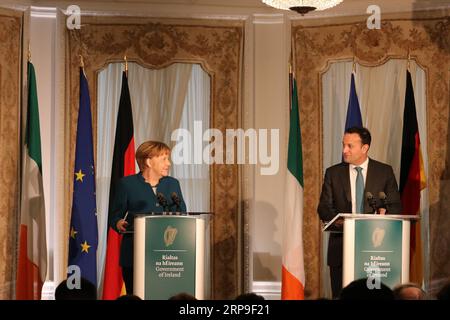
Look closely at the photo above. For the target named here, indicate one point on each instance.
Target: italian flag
(293, 272)
(32, 265)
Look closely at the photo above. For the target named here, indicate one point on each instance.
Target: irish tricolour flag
(32, 265)
(293, 272)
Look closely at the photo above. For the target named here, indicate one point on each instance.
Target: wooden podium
(375, 246)
(171, 255)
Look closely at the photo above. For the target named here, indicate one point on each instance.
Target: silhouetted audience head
(444, 293)
(70, 291)
(409, 291)
(249, 296)
(361, 290)
(182, 296)
(129, 297)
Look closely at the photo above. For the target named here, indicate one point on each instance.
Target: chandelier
(302, 6)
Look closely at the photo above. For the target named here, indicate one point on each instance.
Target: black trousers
(127, 275)
(336, 280)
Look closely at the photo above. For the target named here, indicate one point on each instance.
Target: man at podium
(352, 186)
(151, 190)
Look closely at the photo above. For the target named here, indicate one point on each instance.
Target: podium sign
(169, 256)
(378, 250)
(375, 246)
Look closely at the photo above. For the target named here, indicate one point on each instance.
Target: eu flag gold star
(85, 247)
(73, 233)
(79, 175)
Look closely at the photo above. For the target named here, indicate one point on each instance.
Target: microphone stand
(176, 200)
(384, 200)
(372, 202)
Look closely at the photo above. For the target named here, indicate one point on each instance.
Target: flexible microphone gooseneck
(162, 201)
(176, 200)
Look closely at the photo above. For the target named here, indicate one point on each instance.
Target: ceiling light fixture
(302, 6)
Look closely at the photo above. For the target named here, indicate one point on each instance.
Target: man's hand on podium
(339, 222)
(122, 225)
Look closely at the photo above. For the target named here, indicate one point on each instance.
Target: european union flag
(354, 118)
(83, 225)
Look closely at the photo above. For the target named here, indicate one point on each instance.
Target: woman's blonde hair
(150, 149)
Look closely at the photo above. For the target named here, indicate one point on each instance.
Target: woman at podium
(151, 190)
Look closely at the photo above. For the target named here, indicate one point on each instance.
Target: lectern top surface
(335, 225)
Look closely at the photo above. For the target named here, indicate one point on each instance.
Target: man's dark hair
(444, 292)
(183, 296)
(358, 290)
(87, 291)
(400, 292)
(129, 297)
(363, 133)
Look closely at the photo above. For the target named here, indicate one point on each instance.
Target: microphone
(384, 200)
(162, 201)
(176, 200)
(372, 201)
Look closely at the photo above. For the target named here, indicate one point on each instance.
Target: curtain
(157, 99)
(194, 178)
(162, 101)
(381, 95)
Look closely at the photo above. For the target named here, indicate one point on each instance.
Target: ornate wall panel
(427, 38)
(10, 75)
(156, 43)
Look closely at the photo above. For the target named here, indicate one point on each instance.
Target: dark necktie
(359, 187)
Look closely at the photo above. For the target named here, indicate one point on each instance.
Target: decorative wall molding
(270, 290)
(268, 18)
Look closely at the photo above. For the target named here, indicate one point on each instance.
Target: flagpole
(291, 79)
(291, 73)
(126, 65)
(29, 52)
(409, 60)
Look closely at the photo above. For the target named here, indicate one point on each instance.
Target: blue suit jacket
(134, 195)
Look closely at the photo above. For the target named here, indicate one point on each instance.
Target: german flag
(412, 178)
(123, 165)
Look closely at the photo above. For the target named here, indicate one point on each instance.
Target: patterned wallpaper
(10, 71)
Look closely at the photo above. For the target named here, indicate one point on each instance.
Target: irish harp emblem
(169, 235)
(377, 237)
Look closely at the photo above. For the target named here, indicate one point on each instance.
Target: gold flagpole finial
(126, 64)
(81, 61)
(29, 52)
(354, 65)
